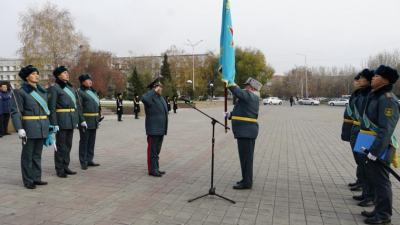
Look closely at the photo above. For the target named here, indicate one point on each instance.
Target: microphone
(186, 100)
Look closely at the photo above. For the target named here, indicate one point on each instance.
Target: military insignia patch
(388, 112)
(388, 95)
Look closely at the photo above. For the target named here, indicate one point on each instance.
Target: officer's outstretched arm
(148, 97)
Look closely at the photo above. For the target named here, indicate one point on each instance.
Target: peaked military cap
(388, 72)
(155, 83)
(253, 83)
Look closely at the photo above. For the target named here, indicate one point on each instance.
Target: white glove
(21, 133)
(56, 128)
(226, 114)
(118, 109)
(83, 124)
(371, 157)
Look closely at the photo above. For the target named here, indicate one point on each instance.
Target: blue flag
(227, 48)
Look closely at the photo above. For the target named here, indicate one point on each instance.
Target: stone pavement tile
(330, 220)
(347, 222)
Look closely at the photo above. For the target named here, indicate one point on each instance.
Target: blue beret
(388, 72)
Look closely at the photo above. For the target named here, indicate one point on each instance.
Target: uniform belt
(368, 132)
(65, 110)
(357, 123)
(244, 118)
(348, 121)
(34, 117)
(90, 114)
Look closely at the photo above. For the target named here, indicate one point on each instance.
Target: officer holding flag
(245, 127)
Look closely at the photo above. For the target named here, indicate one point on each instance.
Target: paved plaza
(301, 171)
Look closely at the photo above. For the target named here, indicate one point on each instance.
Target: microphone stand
(212, 189)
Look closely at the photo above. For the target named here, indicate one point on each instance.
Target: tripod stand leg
(191, 200)
(226, 198)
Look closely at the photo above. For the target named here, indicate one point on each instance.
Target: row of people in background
(136, 105)
(371, 117)
(60, 109)
(5, 109)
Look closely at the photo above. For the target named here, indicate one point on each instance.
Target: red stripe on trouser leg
(148, 153)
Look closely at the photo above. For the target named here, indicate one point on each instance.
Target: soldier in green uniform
(380, 119)
(156, 125)
(29, 113)
(90, 105)
(245, 127)
(357, 107)
(348, 119)
(64, 110)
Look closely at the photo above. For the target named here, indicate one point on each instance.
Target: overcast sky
(329, 33)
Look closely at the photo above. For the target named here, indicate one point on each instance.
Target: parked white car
(341, 101)
(308, 101)
(272, 100)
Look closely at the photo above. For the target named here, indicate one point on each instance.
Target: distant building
(9, 69)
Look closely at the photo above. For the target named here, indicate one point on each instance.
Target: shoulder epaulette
(388, 95)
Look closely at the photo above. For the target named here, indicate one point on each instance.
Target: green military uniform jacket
(348, 117)
(90, 107)
(382, 109)
(156, 113)
(246, 108)
(358, 109)
(64, 111)
(29, 107)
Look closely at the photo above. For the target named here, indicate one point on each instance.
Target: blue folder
(366, 140)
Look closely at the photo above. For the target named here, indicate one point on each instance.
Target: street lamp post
(305, 59)
(212, 91)
(193, 56)
(189, 82)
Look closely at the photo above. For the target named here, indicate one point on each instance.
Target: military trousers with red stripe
(154, 143)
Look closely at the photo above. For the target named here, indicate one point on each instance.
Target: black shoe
(84, 167)
(352, 184)
(30, 186)
(161, 172)
(358, 197)
(366, 203)
(374, 220)
(1, 136)
(240, 187)
(6, 134)
(40, 182)
(93, 164)
(356, 188)
(368, 214)
(239, 182)
(62, 174)
(69, 172)
(155, 174)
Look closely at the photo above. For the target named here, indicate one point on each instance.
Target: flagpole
(226, 108)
